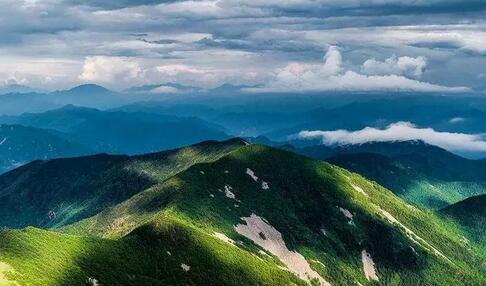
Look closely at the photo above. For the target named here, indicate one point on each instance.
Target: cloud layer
(400, 131)
(53, 44)
(332, 76)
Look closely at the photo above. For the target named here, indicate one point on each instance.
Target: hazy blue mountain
(20, 145)
(17, 103)
(122, 132)
(280, 116)
(18, 88)
(273, 115)
(248, 119)
(162, 108)
(89, 95)
(153, 89)
(428, 111)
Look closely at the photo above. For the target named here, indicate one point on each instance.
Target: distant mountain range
(274, 116)
(220, 213)
(120, 132)
(17, 88)
(20, 145)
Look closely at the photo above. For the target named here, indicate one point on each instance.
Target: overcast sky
(293, 45)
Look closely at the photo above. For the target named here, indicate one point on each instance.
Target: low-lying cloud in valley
(400, 131)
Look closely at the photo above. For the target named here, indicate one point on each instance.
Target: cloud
(42, 73)
(407, 66)
(164, 89)
(332, 76)
(456, 120)
(109, 70)
(116, 4)
(276, 33)
(400, 131)
(208, 69)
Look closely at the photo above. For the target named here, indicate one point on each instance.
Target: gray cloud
(116, 4)
(331, 75)
(266, 36)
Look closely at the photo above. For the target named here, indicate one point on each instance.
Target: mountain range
(87, 197)
(20, 145)
(221, 213)
(120, 132)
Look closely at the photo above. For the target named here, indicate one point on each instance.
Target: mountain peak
(88, 88)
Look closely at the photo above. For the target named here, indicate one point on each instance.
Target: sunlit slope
(172, 252)
(422, 174)
(335, 226)
(57, 192)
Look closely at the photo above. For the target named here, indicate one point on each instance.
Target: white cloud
(164, 89)
(42, 73)
(206, 69)
(400, 131)
(407, 66)
(109, 70)
(331, 76)
(174, 70)
(456, 120)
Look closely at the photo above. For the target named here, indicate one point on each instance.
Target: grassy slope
(180, 215)
(57, 192)
(304, 197)
(411, 183)
(424, 175)
(39, 257)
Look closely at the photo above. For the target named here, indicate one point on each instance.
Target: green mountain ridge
(252, 215)
(56, 192)
(470, 214)
(424, 175)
